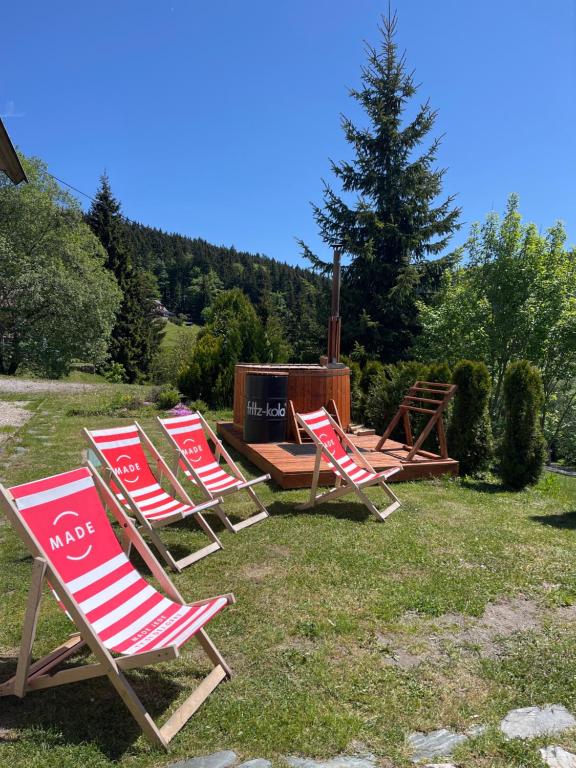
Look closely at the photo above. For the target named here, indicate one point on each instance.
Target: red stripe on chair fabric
(129, 615)
(124, 452)
(223, 484)
(318, 422)
(193, 443)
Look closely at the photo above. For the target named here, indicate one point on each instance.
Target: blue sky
(218, 119)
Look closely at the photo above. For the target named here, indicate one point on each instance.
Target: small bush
(115, 373)
(470, 432)
(165, 397)
(370, 372)
(198, 405)
(522, 449)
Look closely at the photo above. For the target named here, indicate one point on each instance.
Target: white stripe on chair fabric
(126, 612)
(212, 476)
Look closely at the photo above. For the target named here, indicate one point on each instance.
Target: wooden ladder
(299, 433)
(427, 397)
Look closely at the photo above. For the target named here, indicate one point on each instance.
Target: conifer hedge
(522, 449)
(470, 432)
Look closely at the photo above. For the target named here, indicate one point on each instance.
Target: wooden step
(359, 430)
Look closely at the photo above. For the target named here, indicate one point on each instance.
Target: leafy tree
(233, 334)
(57, 300)
(136, 334)
(522, 449)
(513, 298)
(469, 435)
(396, 219)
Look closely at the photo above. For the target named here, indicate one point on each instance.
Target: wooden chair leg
(137, 709)
(211, 651)
(315, 478)
(161, 547)
(375, 511)
(254, 496)
(30, 622)
(206, 527)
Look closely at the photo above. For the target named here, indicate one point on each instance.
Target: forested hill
(189, 269)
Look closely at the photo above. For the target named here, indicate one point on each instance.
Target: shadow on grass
(339, 510)
(483, 486)
(566, 520)
(89, 711)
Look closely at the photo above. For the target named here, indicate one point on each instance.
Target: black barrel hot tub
(265, 407)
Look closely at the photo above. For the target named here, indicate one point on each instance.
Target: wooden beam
(9, 160)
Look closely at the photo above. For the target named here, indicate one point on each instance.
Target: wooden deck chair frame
(39, 675)
(296, 430)
(149, 527)
(220, 451)
(345, 484)
(433, 393)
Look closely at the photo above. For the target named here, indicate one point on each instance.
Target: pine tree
(396, 220)
(134, 335)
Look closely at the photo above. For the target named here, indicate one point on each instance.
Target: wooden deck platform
(291, 465)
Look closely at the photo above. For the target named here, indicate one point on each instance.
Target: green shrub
(199, 405)
(522, 449)
(439, 372)
(359, 354)
(470, 433)
(115, 373)
(202, 378)
(356, 394)
(370, 372)
(166, 397)
(387, 390)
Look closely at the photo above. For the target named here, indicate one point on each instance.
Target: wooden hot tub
(309, 387)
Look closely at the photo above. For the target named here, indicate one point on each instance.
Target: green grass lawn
(347, 634)
(173, 333)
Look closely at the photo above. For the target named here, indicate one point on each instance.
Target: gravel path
(12, 414)
(43, 385)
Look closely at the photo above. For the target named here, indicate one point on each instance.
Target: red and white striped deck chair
(123, 620)
(352, 471)
(189, 436)
(127, 470)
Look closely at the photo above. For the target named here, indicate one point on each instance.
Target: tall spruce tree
(395, 220)
(134, 334)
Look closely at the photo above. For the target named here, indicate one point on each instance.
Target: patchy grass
(327, 602)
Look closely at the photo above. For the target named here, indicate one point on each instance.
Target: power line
(89, 197)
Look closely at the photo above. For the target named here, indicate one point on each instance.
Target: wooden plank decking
(291, 465)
